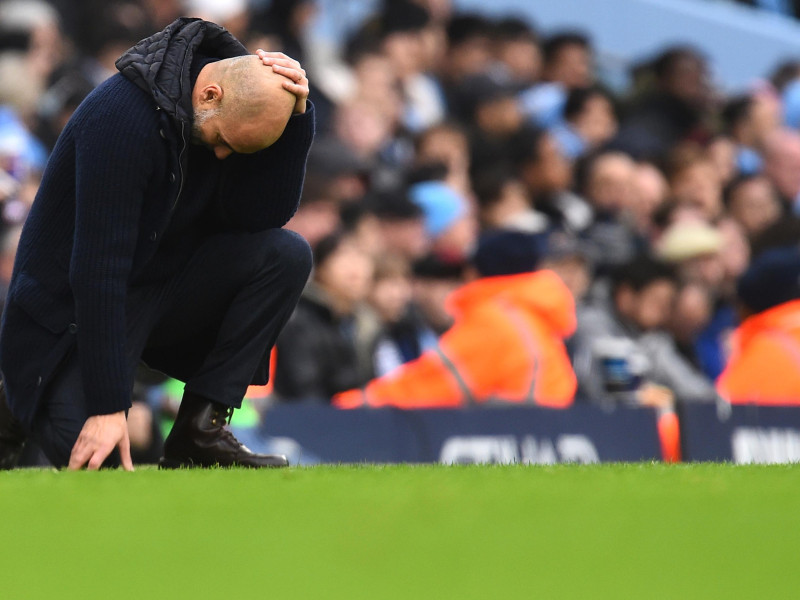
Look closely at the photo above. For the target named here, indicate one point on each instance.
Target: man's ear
(211, 95)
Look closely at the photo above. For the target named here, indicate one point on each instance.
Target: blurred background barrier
(741, 434)
(582, 434)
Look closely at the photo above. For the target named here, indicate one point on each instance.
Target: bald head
(240, 106)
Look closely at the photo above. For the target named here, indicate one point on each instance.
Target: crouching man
(156, 235)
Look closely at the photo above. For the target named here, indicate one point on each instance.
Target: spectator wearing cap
(571, 261)
(695, 250)
(449, 220)
(764, 367)
(434, 279)
(506, 344)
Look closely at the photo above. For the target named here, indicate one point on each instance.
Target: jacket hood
(541, 293)
(784, 317)
(161, 63)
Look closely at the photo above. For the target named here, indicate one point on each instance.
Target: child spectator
(320, 351)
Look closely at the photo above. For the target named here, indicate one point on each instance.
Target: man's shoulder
(119, 99)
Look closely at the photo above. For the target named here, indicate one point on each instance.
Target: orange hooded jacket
(506, 343)
(765, 365)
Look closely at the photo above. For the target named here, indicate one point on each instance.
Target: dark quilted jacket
(115, 183)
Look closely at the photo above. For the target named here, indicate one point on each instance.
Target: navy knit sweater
(125, 201)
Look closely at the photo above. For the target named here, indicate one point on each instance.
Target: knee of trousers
(56, 439)
(291, 253)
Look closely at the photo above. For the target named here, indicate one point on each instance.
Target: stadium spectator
(690, 317)
(402, 225)
(374, 78)
(504, 202)
(567, 65)
(622, 353)
(650, 194)
(446, 144)
(540, 165)
(589, 122)
(782, 166)
(698, 251)
(469, 49)
(748, 121)
(695, 182)
(517, 50)
(568, 60)
(401, 32)
(753, 202)
(326, 347)
(493, 109)
(317, 215)
(608, 185)
(764, 367)
(508, 309)
(571, 261)
(674, 109)
(433, 282)
(404, 334)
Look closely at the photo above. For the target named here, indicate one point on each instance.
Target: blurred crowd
(436, 129)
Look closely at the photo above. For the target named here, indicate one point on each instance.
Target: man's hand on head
(296, 80)
(99, 436)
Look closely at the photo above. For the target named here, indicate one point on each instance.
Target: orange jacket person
(765, 365)
(506, 343)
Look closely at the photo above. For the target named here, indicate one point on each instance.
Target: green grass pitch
(411, 532)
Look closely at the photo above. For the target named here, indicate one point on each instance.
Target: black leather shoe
(12, 436)
(200, 438)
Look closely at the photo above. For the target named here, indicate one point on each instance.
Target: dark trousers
(212, 326)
